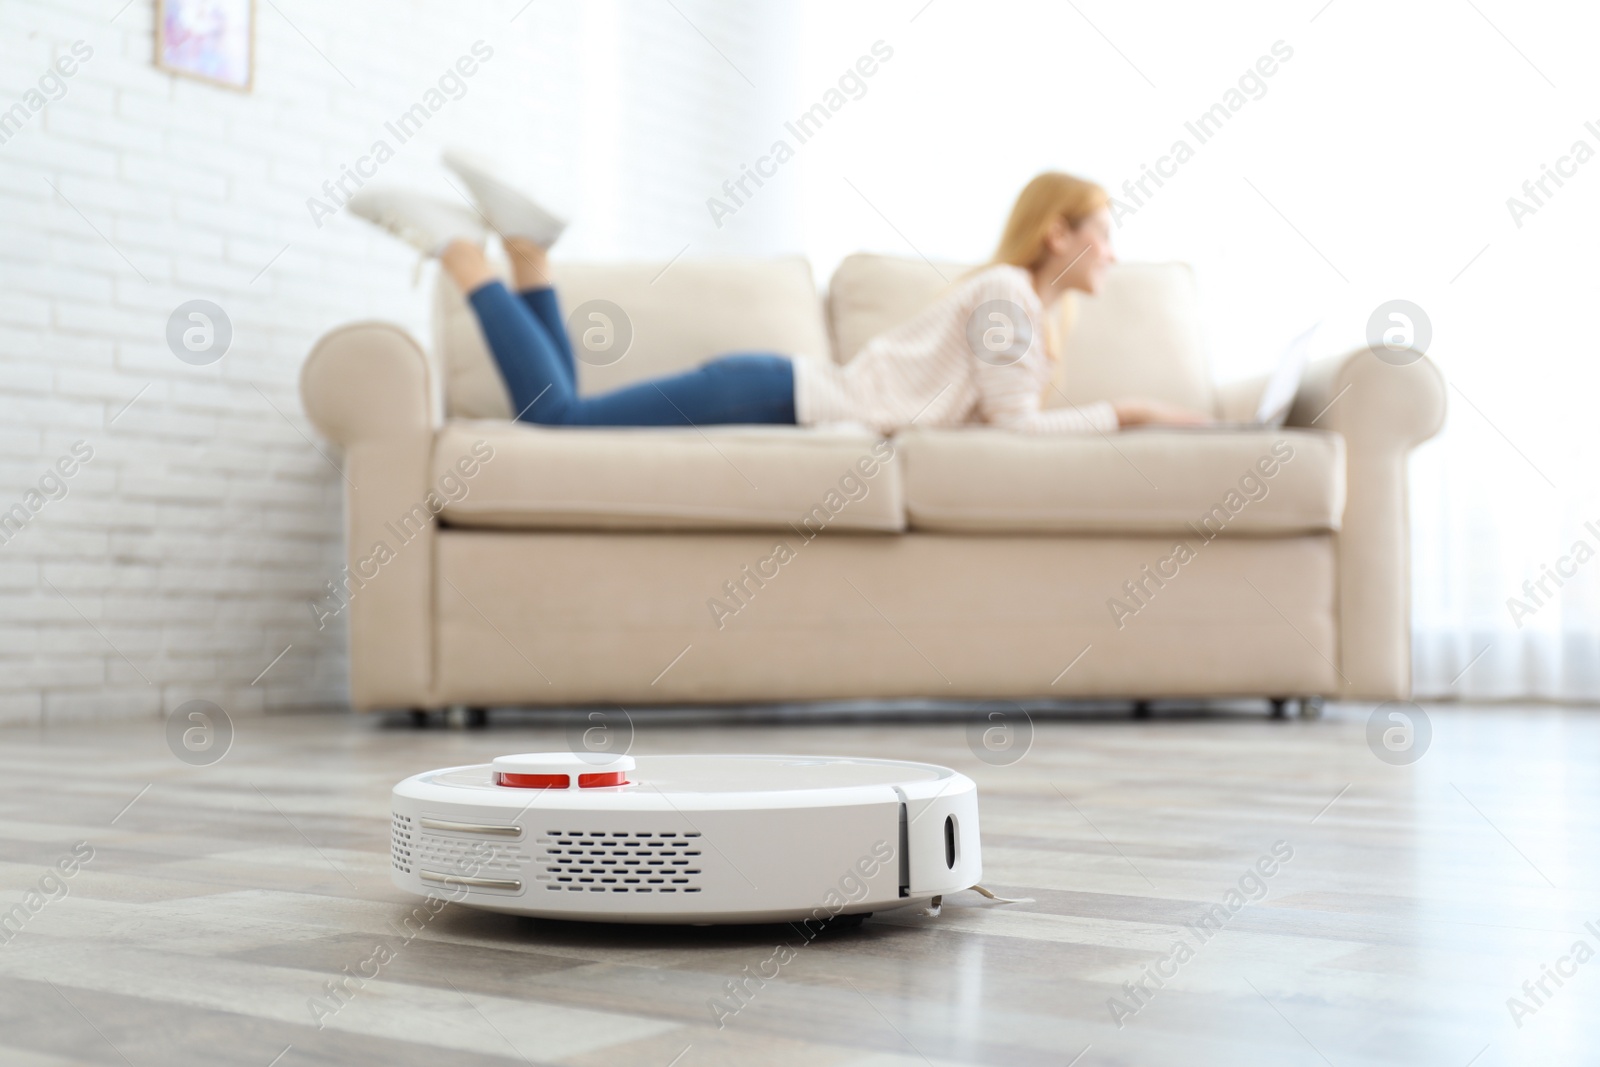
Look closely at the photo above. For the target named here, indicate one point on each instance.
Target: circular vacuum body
(686, 839)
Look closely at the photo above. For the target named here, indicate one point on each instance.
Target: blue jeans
(530, 344)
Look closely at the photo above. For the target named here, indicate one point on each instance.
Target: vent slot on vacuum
(400, 843)
(461, 855)
(620, 862)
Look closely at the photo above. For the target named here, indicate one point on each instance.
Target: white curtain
(1506, 566)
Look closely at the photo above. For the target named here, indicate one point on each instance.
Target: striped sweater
(974, 356)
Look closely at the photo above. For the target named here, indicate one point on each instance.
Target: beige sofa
(498, 563)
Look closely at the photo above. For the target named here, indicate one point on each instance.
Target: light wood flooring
(220, 900)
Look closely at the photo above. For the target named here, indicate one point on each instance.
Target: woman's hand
(1140, 411)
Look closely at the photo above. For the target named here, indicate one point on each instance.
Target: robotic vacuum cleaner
(687, 839)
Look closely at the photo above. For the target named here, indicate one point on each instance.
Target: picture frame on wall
(209, 40)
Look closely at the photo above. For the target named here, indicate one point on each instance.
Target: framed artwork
(212, 40)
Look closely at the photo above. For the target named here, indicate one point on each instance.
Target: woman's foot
(467, 266)
(423, 222)
(513, 213)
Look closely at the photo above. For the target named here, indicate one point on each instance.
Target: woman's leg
(530, 274)
(732, 389)
(537, 375)
(745, 389)
(546, 308)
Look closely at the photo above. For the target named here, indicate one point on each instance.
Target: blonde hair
(1048, 197)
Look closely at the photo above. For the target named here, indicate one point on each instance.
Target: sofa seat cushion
(1264, 482)
(715, 478)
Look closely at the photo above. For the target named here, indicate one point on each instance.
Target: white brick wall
(180, 561)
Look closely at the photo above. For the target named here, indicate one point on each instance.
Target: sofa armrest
(1383, 411)
(1358, 393)
(367, 381)
(369, 388)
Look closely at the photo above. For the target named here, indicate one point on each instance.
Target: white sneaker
(509, 210)
(423, 222)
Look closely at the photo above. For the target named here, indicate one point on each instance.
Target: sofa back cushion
(1140, 336)
(662, 317)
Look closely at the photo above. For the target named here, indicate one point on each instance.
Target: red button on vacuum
(559, 770)
(592, 781)
(533, 781)
(561, 781)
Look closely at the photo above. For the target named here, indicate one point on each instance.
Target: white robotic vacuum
(687, 839)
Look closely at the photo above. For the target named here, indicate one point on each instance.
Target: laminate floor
(1443, 911)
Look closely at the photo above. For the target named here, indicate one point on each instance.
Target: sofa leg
(465, 717)
(1141, 709)
(1311, 707)
(1280, 706)
(419, 718)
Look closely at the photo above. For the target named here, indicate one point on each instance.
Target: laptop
(1278, 397)
(1272, 410)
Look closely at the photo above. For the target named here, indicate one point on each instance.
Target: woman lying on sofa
(980, 354)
